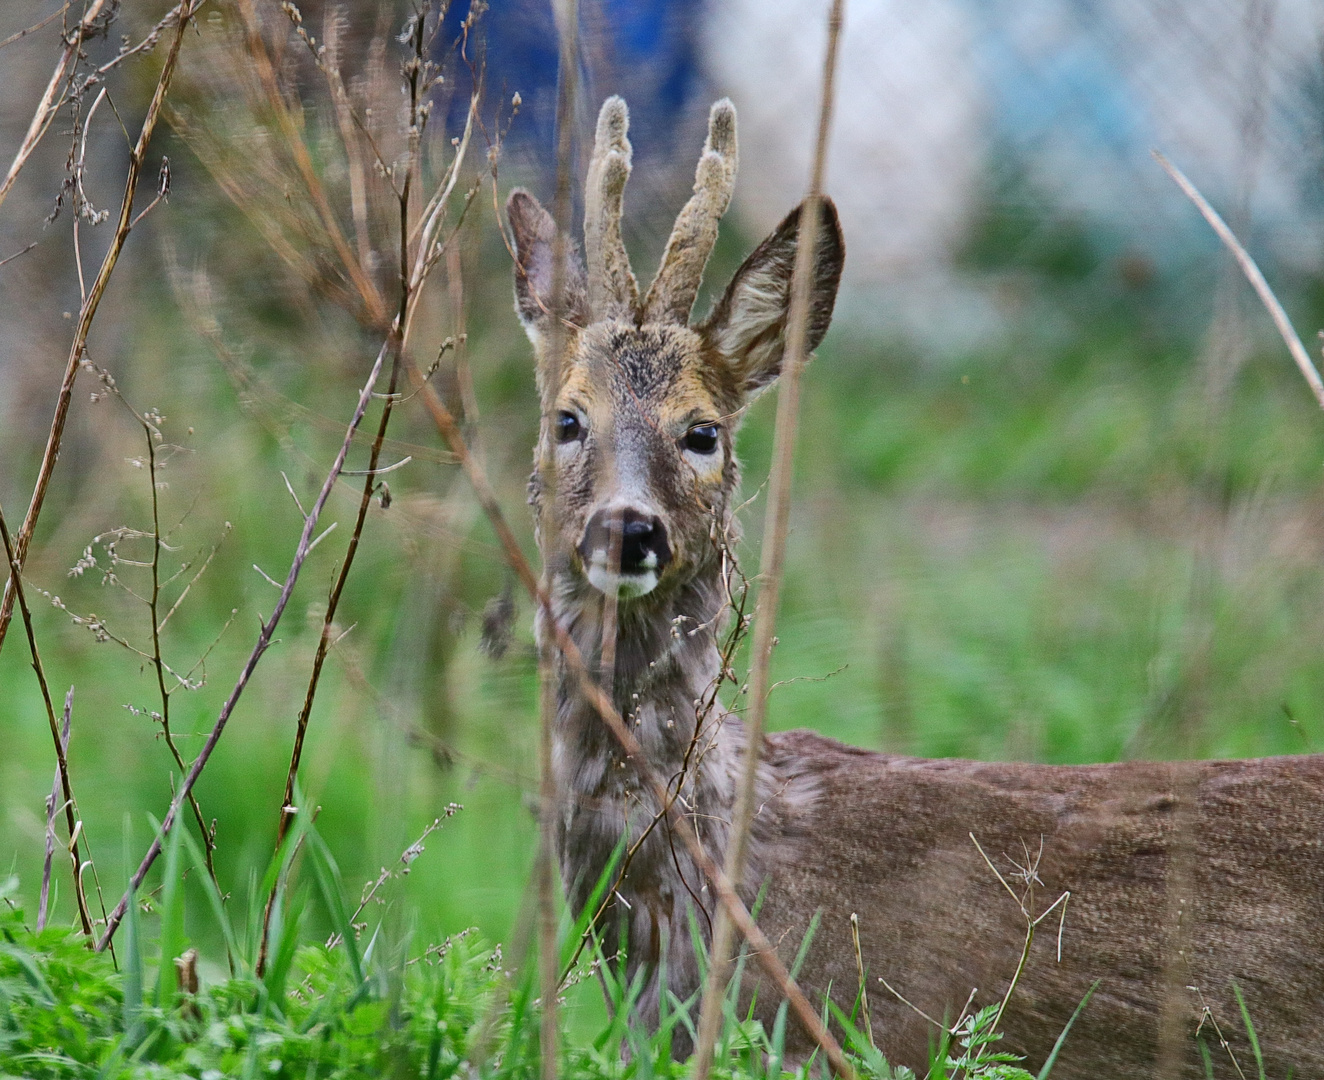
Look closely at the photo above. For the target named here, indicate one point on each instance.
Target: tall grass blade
(1250, 1030)
(31, 972)
(582, 925)
(860, 1043)
(283, 951)
(1048, 1065)
(213, 896)
(133, 953)
(332, 890)
(172, 918)
(778, 1040)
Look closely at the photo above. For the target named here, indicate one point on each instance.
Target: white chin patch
(625, 586)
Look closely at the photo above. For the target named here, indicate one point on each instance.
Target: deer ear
(748, 325)
(535, 236)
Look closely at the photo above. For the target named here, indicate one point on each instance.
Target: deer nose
(640, 539)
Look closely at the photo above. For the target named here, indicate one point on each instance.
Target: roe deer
(1183, 875)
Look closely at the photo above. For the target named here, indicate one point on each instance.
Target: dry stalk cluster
(405, 206)
(72, 79)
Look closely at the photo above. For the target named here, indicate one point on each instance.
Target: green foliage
(974, 1058)
(451, 1009)
(62, 1015)
(334, 1009)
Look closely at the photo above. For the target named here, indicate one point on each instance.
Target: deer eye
(701, 439)
(567, 427)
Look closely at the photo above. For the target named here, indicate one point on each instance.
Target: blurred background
(1059, 484)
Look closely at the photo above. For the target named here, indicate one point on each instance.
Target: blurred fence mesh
(963, 124)
(970, 135)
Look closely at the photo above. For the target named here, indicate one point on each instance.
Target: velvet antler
(612, 290)
(671, 296)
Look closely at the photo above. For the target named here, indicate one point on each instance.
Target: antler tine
(612, 289)
(671, 296)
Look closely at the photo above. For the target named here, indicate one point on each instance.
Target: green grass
(373, 1001)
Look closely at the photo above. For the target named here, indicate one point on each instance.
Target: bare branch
(52, 807)
(185, 10)
(261, 646)
(62, 764)
(24, 251)
(18, 35)
(48, 106)
(1253, 275)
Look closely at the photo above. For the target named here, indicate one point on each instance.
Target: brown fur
(1190, 874)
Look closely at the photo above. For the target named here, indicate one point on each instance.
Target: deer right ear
(535, 248)
(748, 325)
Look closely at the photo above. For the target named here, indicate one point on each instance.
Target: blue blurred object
(645, 50)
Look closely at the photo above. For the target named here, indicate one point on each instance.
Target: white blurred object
(907, 144)
(1229, 89)
(932, 95)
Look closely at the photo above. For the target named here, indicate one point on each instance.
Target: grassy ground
(369, 1001)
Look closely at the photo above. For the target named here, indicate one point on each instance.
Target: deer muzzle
(624, 551)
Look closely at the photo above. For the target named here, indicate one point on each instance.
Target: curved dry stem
(773, 556)
(1252, 271)
(764, 953)
(62, 763)
(268, 628)
(88, 311)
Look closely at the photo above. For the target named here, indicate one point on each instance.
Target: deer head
(635, 471)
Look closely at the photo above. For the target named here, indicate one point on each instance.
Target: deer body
(1180, 875)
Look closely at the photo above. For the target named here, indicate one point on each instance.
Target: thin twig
(773, 556)
(1206, 1013)
(412, 852)
(52, 804)
(158, 662)
(268, 628)
(10, 258)
(412, 276)
(1253, 275)
(566, 16)
(859, 968)
(18, 35)
(194, 579)
(1025, 903)
(48, 106)
(910, 1005)
(82, 204)
(87, 312)
(62, 764)
(324, 642)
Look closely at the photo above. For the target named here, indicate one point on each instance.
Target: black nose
(640, 539)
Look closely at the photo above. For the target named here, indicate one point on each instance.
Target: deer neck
(663, 683)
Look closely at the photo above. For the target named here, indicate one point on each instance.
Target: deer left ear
(535, 245)
(748, 325)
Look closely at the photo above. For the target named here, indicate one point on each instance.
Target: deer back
(1179, 875)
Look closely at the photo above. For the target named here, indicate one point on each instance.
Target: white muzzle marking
(609, 581)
